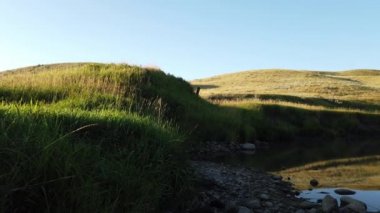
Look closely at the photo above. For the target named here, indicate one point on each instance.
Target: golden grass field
(361, 86)
(356, 173)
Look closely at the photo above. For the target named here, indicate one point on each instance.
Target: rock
(344, 192)
(262, 144)
(268, 204)
(353, 208)
(296, 193)
(248, 146)
(248, 152)
(329, 204)
(307, 205)
(314, 182)
(277, 177)
(346, 200)
(313, 210)
(253, 204)
(243, 209)
(232, 209)
(264, 196)
(300, 211)
(230, 205)
(204, 209)
(217, 204)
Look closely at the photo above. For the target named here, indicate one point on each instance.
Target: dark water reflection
(304, 151)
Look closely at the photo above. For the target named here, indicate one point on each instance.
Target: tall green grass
(84, 138)
(57, 160)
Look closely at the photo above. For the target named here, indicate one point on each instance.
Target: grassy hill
(356, 89)
(81, 137)
(95, 137)
(102, 137)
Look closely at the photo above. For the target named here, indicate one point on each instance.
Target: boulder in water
(314, 182)
(344, 192)
(353, 207)
(329, 204)
(346, 200)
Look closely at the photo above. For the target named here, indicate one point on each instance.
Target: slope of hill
(356, 85)
(84, 138)
(89, 137)
(75, 125)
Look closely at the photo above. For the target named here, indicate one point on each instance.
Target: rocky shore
(237, 189)
(227, 188)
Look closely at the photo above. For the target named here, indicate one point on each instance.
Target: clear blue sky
(193, 38)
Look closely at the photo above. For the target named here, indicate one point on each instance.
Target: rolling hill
(91, 137)
(355, 85)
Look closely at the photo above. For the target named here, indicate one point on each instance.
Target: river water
(370, 197)
(290, 155)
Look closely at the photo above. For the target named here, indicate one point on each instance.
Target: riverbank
(226, 188)
(229, 179)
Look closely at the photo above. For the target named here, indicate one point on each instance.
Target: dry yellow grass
(358, 173)
(358, 85)
(70, 78)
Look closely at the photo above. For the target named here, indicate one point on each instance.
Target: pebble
(277, 177)
(248, 146)
(268, 204)
(243, 209)
(307, 205)
(253, 204)
(264, 197)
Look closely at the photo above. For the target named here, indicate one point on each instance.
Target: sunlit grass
(358, 86)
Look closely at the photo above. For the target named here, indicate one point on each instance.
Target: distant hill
(358, 85)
